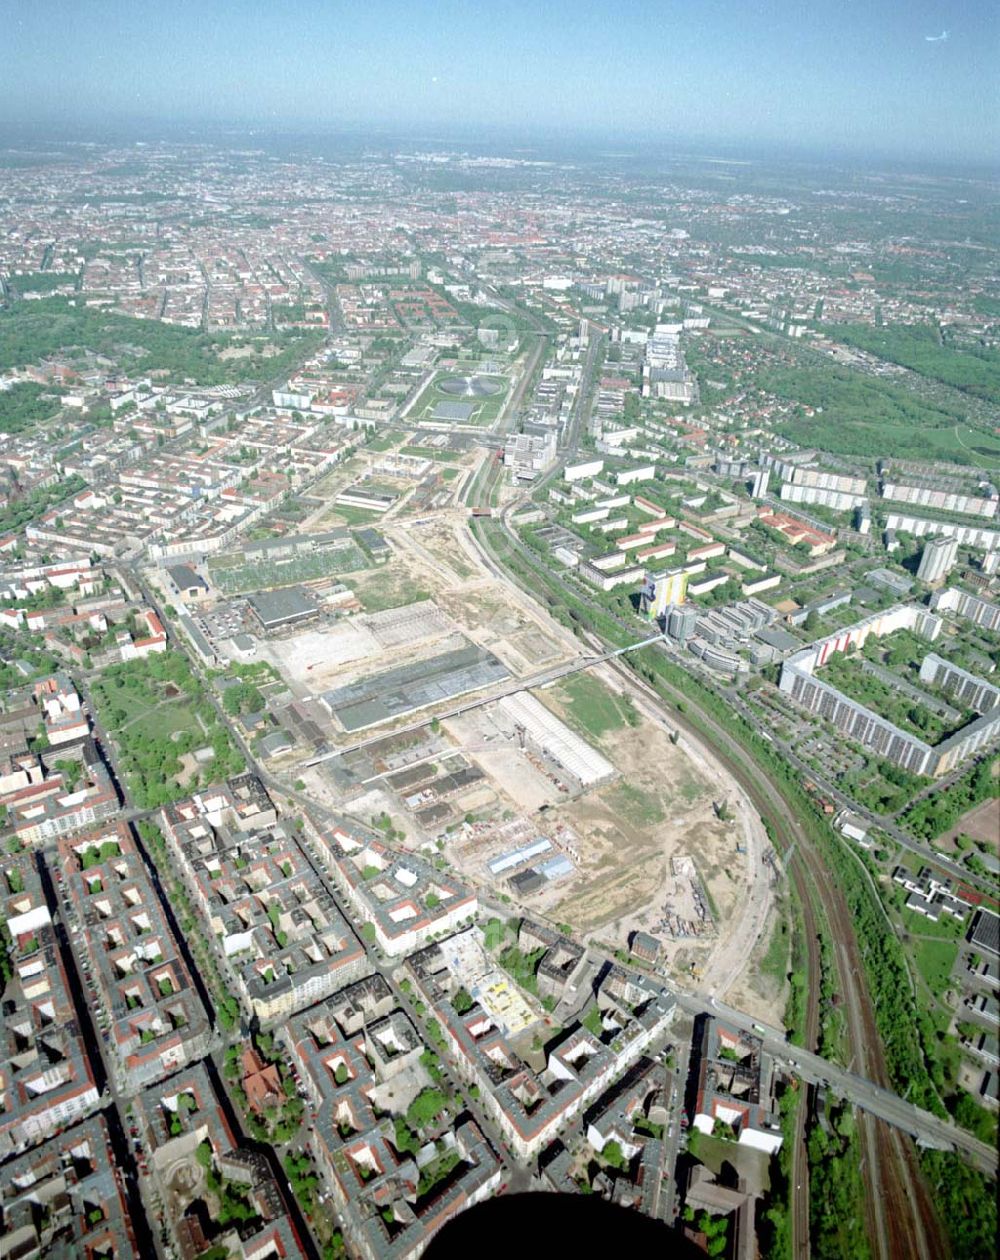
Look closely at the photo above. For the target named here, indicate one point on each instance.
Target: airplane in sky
(936, 39)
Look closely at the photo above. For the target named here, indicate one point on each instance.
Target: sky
(851, 75)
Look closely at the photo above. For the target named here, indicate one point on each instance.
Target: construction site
(606, 836)
(442, 706)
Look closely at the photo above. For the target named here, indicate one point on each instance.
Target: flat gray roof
(184, 578)
(780, 639)
(276, 608)
(415, 686)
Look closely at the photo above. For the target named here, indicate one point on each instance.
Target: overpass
(928, 1130)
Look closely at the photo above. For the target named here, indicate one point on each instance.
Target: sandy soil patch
(759, 993)
(981, 823)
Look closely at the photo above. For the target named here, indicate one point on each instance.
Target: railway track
(901, 1220)
(900, 1217)
(765, 805)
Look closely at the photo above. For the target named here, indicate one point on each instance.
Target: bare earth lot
(981, 823)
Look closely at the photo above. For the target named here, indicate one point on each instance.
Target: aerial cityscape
(499, 693)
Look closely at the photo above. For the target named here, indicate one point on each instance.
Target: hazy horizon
(874, 81)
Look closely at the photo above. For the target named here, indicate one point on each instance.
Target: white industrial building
(556, 740)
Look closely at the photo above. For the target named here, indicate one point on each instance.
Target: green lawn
(154, 729)
(384, 441)
(946, 928)
(592, 708)
(935, 960)
(355, 515)
(775, 961)
(640, 808)
(379, 591)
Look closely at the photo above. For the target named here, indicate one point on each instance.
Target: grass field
(640, 808)
(935, 960)
(384, 441)
(775, 961)
(591, 708)
(946, 928)
(382, 590)
(151, 714)
(430, 452)
(158, 712)
(352, 515)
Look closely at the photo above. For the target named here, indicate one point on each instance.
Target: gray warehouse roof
(409, 687)
(185, 578)
(279, 608)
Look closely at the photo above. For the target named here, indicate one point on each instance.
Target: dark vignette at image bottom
(532, 1223)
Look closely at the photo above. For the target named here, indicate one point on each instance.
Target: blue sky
(851, 74)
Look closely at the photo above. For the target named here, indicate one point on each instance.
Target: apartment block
(530, 1107)
(347, 1050)
(941, 500)
(838, 500)
(972, 692)
(25, 580)
(46, 1078)
(62, 714)
(284, 939)
(852, 718)
(67, 1198)
(819, 479)
(979, 611)
(633, 1113)
(42, 804)
(149, 1011)
(403, 898)
(662, 591)
(967, 535)
(182, 1126)
(937, 559)
(736, 1083)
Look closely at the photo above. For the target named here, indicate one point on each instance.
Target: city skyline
(876, 80)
